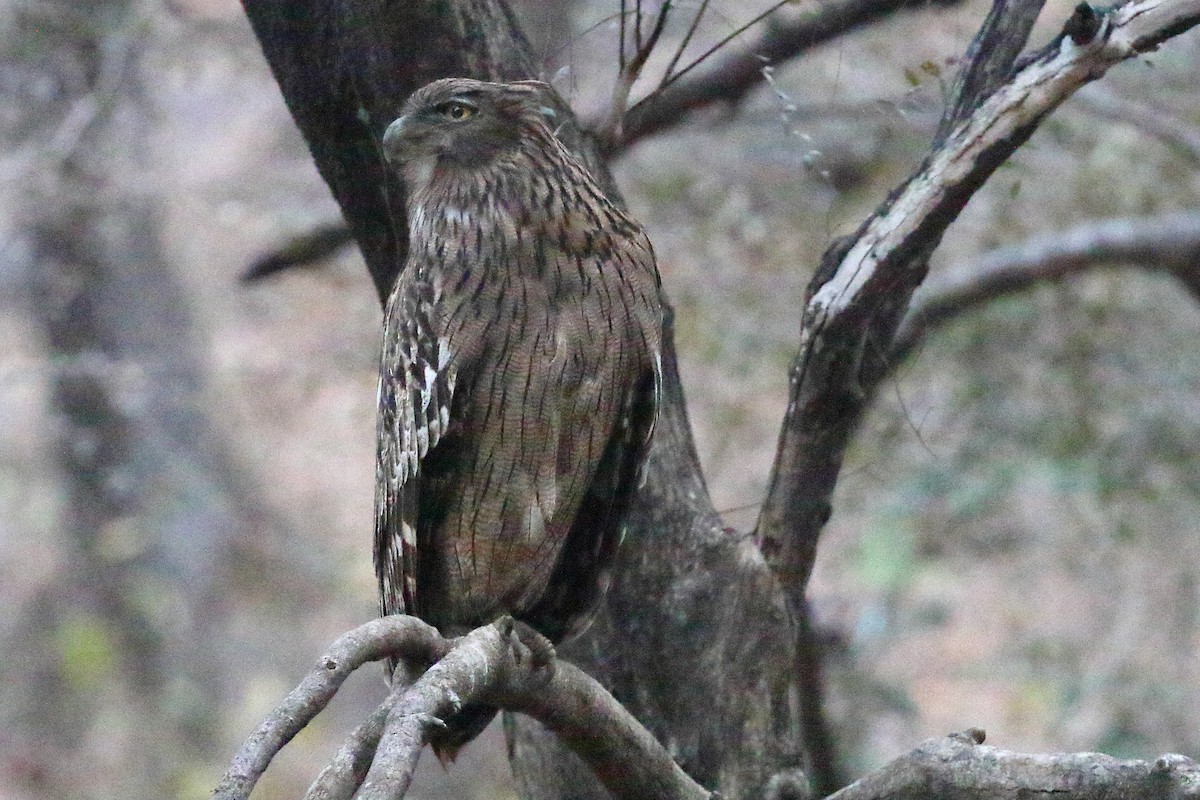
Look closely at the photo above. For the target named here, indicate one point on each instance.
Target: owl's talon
(540, 648)
(433, 721)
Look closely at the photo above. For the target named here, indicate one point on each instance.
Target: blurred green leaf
(887, 558)
(87, 651)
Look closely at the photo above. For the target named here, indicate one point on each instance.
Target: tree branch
(406, 637)
(732, 76)
(1149, 119)
(348, 767)
(960, 766)
(861, 291)
(490, 666)
(1170, 242)
(989, 59)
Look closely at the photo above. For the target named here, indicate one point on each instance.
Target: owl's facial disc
(463, 130)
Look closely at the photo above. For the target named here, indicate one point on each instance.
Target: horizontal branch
(960, 766)
(1170, 242)
(1160, 123)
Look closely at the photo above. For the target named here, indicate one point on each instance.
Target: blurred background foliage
(186, 461)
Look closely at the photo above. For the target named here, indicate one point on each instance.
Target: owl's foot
(539, 649)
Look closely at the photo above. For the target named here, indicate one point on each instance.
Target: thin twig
(729, 78)
(611, 130)
(687, 39)
(637, 26)
(710, 51)
(635, 68)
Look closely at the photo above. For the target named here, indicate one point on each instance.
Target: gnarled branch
(491, 666)
(861, 293)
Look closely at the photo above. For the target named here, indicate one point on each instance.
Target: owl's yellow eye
(455, 110)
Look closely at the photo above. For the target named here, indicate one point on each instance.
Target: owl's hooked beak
(394, 138)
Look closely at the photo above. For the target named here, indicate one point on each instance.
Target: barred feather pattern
(519, 377)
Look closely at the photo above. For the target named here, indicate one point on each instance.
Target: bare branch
(960, 766)
(621, 41)
(687, 39)
(671, 78)
(637, 26)
(729, 78)
(628, 760)
(348, 768)
(861, 292)
(489, 666)
(480, 663)
(630, 71)
(1152, 120)
(990, 58)
(407, 637)
(305, 249)
(1170, 242)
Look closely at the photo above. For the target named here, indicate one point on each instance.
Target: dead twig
(735, 72)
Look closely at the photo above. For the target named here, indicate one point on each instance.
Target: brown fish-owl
(520, 373)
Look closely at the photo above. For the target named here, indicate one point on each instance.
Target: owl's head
(464, 124)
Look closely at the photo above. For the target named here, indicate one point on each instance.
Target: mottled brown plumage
(519, 379)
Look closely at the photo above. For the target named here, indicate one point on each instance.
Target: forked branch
(863, 287)
(406, 637)
(491, 666)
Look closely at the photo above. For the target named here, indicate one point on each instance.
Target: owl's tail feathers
(460, 729)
